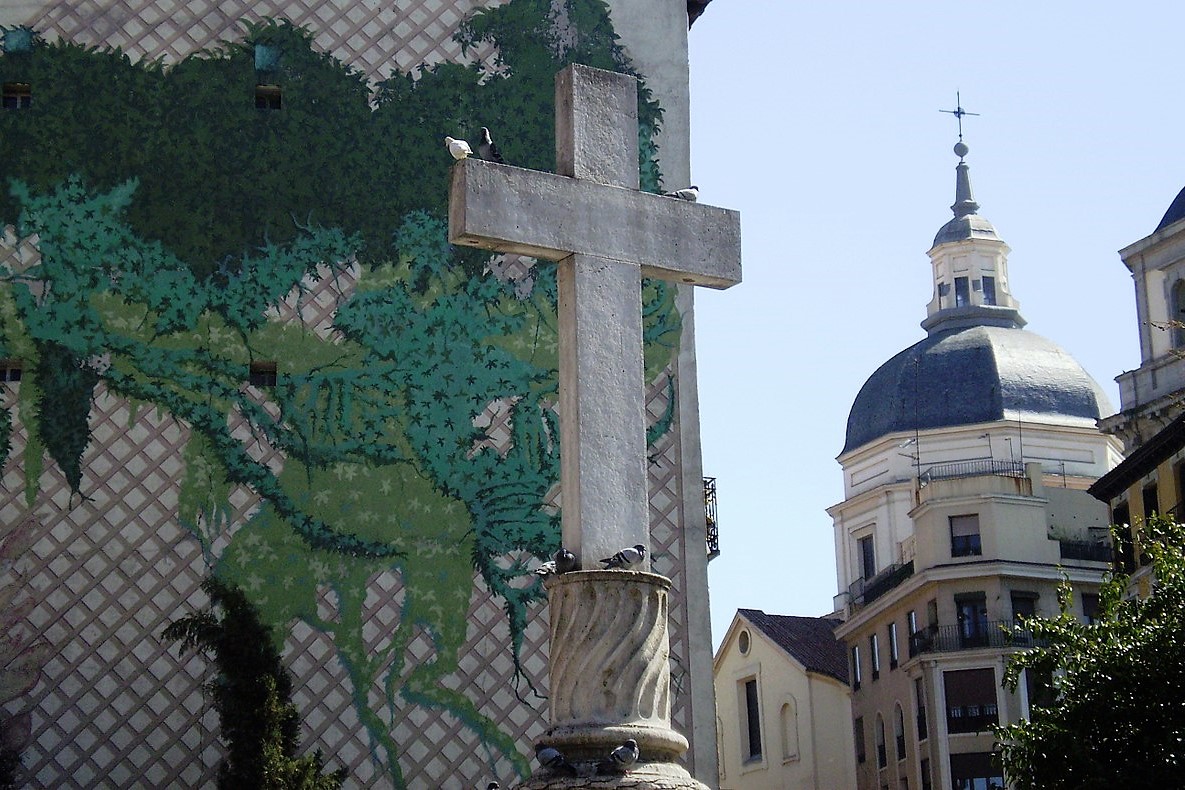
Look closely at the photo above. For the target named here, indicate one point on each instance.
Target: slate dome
(968, 375)
(1176, 211)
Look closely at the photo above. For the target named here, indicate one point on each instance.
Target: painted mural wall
(234, 341)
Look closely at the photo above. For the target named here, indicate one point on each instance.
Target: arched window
(899, 731)
(882, 755)
(789, 721)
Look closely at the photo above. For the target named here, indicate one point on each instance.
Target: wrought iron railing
(966, 636)
(885, 580)
(972, 469)
(1093, 551)
(710, 512)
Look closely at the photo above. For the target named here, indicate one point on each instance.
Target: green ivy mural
(171, 214)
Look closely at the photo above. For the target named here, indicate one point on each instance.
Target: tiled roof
(810, 640)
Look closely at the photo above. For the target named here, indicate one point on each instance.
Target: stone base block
(643, 776)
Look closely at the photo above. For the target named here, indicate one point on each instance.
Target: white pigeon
(621, 758)
(458, 148)
(690, 193)
(626, 558)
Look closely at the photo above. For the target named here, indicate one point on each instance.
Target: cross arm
(548, 216)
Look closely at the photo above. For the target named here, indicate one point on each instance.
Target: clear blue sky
(820, 122)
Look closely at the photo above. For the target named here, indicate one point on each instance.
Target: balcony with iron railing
(999, 634)
(978, 468)
(1089, 550)
(710, 513)
(865, 591)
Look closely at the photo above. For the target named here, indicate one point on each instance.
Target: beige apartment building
(966, 466)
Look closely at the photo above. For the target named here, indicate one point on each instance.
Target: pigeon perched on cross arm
(626, 558)
(458, 148)
(690, 193)
(486, 148)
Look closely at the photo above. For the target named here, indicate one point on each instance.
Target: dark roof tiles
(809, 640)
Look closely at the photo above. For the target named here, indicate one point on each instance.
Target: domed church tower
(965, 466)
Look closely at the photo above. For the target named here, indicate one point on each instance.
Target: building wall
(805, 720)
(1148, 394)
(381, 502)
(1022, 522)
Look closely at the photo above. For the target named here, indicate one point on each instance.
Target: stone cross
(605, 235)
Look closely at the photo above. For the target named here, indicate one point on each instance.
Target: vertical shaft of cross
(603, 429)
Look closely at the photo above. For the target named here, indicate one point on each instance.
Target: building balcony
(710, 513)
(865, 591)
(1091, 551)
(999, 634)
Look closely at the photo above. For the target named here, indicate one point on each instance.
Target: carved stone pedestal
(609, 681)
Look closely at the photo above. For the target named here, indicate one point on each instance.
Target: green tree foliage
(1118, 715)
(251, 694)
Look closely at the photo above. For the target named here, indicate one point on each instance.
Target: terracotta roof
(809, 640)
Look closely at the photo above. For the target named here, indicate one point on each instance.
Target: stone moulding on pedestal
(610, 680)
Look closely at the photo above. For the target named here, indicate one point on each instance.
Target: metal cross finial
(959, 112)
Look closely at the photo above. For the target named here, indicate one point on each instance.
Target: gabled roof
(809, 640)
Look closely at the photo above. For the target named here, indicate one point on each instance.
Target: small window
(867, 557)
(899, 731)
(17, 96)
(1177, 318)
(882, 754)
(919, 690)
(989, 290)
(875, 652)
(856, 668)
(267, 97)
(964, 536)
(962, 292)
(743, 643)
(1090, 607)
(1024, 605)
(893, 649)
(10, 370)
(262, 374)
(927, 782)
(858, 732)
(1151, 500)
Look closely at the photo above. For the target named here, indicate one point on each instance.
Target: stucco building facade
(783, 705)
(966, 465)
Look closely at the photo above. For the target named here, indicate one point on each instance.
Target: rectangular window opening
(867, 557)
(262, 374)
(875, 652)
(10, 370)
(752, 720)
(16, 95)
(964, 536)
(893, 649)
(267, 97)
(989, 290)
(970, 700)
(962, 292)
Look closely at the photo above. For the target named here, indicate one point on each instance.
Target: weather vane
(959, 112)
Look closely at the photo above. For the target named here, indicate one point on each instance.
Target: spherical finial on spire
(961, 149)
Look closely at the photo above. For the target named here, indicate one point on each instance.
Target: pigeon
(493, 786)
(690, 193)
(487, 150)
(562, 562)
(620, 759)
(458, 148)
(553, 760)
(626, 558)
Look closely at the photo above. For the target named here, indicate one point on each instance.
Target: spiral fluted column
(610, 680)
